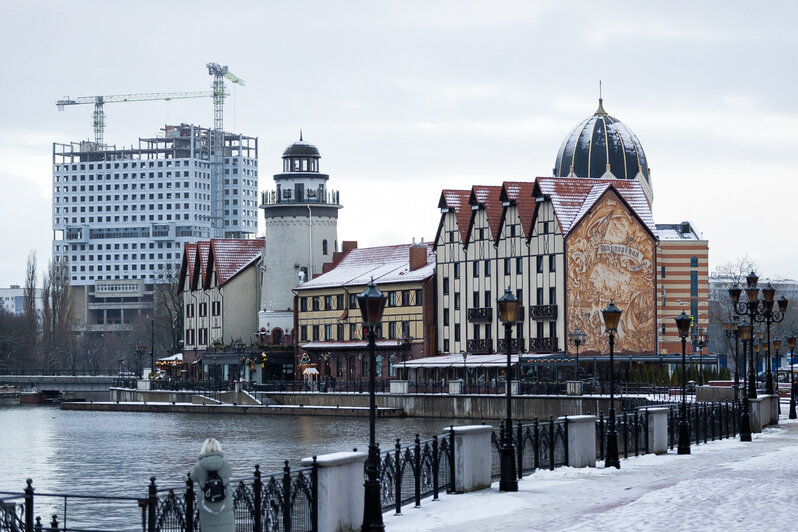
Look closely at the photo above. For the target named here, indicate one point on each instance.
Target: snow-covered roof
(445, 361)
(681, 231)
(385, 264)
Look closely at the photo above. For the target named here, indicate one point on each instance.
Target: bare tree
(58, 343)
(168, 311)
(30, 325)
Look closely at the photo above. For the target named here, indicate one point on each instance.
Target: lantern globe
(783, 301)
(751, 279)
(745, 332)
(683, 325)
(734, 293)
(508, 307)
(612, 315)
(371, 302)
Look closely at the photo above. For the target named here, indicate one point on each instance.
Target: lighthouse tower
(301, 234)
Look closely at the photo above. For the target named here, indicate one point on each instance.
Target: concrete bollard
(657, 430)
(755, 415)
(472, 457)
(765, 415)
(340, 490)
(581, 441)
(774, 409)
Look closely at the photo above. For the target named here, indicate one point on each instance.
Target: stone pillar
(657, 430)
(573, 388)
(756, 414)
(455, 387)
(581, 441)
(764, 416)
(514, 387)
(472, 457)
(400, 386)
(340, 490)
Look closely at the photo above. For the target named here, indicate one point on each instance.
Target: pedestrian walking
(215, 499)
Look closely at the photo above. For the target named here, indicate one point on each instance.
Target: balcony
(543, 312)
(543, 345)
(480, 315)
(516, 344)
(479, 347)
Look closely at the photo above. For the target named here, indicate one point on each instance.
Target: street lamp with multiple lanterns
(700, 342)
(577, 338)
(745, 418)
(791, 344)
(508, 310)
(372, 302)
(730, 328)
(683, 325)
(612, 315)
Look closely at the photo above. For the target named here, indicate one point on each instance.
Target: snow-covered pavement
(723, 485)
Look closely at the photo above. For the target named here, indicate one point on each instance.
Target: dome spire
(300, 134)
(600, 111)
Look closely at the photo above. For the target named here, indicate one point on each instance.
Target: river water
(115, 453)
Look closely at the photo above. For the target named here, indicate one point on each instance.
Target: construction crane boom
(98, 117)
(217, 147)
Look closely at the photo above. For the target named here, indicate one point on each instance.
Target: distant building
(121, 216)
(13, 299)
(330, 327)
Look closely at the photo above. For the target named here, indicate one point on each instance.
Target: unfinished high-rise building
(122, 215)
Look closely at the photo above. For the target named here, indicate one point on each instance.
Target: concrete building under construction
(122, 215)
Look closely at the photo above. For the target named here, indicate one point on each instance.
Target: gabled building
(218, 282)
(329, 322)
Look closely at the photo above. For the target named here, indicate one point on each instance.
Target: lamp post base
(792, 409)
(769, 383)
(684, 437)
(509, 478)
(612, 459)
(372, 507)
(745, 423)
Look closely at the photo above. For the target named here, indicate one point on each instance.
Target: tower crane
(99, 101)
(217, 174)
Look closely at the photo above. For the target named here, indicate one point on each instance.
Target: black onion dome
(598, 141)
(301, 148)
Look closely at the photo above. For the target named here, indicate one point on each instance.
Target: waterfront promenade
(722, 485)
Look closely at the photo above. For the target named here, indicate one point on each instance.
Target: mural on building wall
(611, 257)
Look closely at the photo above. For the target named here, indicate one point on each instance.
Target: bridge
(64, 387)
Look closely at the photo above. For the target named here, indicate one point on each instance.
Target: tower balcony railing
(543, 345)
(312, 196)
(516, 345)
(479, 347)
(485, 315)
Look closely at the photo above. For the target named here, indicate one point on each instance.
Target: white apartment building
(121, 216)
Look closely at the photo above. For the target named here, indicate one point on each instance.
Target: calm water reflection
(115, 453)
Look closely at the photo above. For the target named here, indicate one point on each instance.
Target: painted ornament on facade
(611, 257)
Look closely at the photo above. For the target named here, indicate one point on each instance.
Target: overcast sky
(406, 98)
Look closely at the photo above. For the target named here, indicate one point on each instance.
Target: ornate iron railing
(480, 315)
(543, 345)
(411, 472)
(543, 312)
(479, 347)
(516, 345)
(538, 445)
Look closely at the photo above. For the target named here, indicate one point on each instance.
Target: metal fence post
(398, 469)
(705, 423)
(286, 497)
(29, 505)
(54, 524)
(552, 443)
(435, 466)
(189, 503)
(451, 460)
(519, 449)
(601, 435)
(417, 470)
(38, 526)
(645, 432)
(565, 439)
(152, 504)
(257, 488)
(637, 432)
(536, 444)
(625, 435)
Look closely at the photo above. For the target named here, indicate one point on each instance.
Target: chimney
(418, 257)
(348, 245)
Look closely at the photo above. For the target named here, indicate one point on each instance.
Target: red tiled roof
(187, 264)
(572, 197)
(386, 264)
(201, 263)
(520, 193)
(457, 200)
(232, 255)
(488, 198)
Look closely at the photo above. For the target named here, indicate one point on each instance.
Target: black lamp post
(577, 337)
(731, 331)
(757, 348)
(791, 344)
(745, 418)
(777, 346)
(372, 302)
(683, 325)
(760, 311)
(139, 352)
(508, 309)
(612, 315)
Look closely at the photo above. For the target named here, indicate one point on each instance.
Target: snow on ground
(723, 485)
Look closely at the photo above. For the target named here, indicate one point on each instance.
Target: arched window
(392, 366)
(378, 365)
(277, 336)
(324, 247)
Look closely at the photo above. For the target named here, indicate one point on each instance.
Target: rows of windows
(396, 298)
(336, 332)
(483, 268)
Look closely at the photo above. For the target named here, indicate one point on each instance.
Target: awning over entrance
(340, 346)
(178, 357)
(456, 360)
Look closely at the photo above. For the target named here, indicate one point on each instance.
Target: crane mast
(217, 146)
